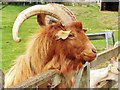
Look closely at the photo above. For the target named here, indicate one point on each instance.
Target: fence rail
(105, 56)
(37, 80)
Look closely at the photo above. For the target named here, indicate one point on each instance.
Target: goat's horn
(58, 11)
(42, 21)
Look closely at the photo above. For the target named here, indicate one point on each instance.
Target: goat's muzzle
(89, 54)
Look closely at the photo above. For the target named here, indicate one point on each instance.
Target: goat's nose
(94, 50)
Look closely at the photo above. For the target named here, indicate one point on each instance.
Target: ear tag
(62, 34)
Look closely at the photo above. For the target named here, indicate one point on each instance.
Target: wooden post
(83, 82)
(119, 73)
(1, 80)
(78, 78)
(88, 75)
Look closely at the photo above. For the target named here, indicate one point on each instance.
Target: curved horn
(54, 10)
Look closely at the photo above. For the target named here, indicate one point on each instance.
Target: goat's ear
(77, 25)
(62, 34)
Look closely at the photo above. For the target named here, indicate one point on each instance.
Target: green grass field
(93, 19)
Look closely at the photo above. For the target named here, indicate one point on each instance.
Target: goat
(62, 46)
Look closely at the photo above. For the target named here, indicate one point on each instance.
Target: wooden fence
(84, 77)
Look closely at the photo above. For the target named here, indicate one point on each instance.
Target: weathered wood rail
(105, 56)
(84, 82)
(37, 80)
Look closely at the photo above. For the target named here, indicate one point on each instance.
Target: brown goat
(63, 47)
(48, 50)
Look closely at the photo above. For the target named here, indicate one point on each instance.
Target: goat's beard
(71, 70)
(72, 67)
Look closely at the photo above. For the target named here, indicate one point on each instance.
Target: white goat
(99, 77)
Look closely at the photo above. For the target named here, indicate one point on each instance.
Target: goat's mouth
(89, 58)
(86, 57)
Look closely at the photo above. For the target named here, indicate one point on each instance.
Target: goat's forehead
(73, 29)
(75, 24)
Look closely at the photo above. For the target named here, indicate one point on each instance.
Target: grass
(93, 19)
(11, 49)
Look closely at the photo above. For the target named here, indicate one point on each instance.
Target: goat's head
(72, 41)
(79, 44)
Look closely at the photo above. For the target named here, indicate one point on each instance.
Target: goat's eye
(71, 35)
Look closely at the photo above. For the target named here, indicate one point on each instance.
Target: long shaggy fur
(44, 52)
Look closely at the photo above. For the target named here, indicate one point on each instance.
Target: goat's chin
(88, 58)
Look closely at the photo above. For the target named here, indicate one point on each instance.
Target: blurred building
(109, 5)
